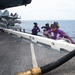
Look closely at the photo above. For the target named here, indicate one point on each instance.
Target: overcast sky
(47, 10)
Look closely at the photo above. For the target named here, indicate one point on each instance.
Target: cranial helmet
(55, 24)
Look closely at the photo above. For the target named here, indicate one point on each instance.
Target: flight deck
(19, 55)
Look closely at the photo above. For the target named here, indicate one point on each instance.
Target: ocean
(66, 25)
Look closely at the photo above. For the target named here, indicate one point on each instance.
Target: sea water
(67, 26)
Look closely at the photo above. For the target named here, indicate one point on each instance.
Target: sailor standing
(35, 29)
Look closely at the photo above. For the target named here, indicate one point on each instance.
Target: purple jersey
(35, 30)
(59, 34)
(46, 28)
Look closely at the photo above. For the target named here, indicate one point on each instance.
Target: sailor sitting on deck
(56, 33)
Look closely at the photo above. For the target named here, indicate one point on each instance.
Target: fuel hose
(55, 64)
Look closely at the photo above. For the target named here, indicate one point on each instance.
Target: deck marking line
(34, 62)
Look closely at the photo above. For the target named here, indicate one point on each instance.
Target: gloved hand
(49, 36)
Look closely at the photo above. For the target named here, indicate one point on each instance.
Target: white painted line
(34, 62)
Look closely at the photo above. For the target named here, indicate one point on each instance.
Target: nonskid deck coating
(15, 56)
(46, 55)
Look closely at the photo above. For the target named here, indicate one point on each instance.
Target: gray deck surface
(15, 56)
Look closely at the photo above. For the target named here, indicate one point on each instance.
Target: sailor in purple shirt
(46, 28)
(35, 29)
(56, 33)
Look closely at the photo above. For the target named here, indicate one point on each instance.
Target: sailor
(56, 33)
(46, 28)
(35, 29)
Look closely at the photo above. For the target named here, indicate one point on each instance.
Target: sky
(46, 10)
